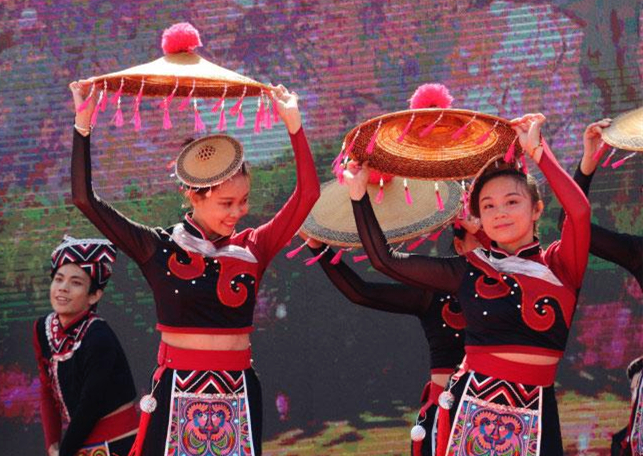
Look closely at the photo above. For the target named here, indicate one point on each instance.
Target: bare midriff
(207, 341)
(527, 358)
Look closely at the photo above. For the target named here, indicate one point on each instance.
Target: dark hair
(459, 232)
(634, 367)
(525, 180)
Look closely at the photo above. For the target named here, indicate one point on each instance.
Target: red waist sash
(527, 374)
(188, 359)
(112, 426)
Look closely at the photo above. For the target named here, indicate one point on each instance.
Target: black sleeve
(436, 274)
(626, 250)
(99, 352)
(135, 240)
(388, 297)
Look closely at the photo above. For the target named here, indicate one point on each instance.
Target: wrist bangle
(82, 129)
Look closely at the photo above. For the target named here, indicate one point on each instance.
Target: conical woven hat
(209, 161)
(180, 72)
(187, 68)
(458, 143)
(626, 131)
(332, 222)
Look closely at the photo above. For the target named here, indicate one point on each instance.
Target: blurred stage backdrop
(337, 379)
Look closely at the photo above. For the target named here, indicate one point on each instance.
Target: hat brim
(331, 221)
(626, 131)
(436, 155)
(188, 69)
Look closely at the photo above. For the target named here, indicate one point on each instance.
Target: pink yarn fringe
(510, 154)
(198, 123)
(406, 130)
(619, 163)
(94, 118)
(438, 198)
(460, 131)
(267, 117)
(293, 253)
(350, 147)
(407, 193)
(608, 159)
(359, 258)
(434, 237)
(217, 105)
(118, 117)
(118, 93)
(223, 123)
(415, 244)
(103, 99)
(275, 112)
(600, 151)
(234, 111)
(241, 120)
(259, 116)
(167, 122)
(371, 144)
(316, 258)
(380, 195)
(484, 137)
(87, 100)
(337, 257)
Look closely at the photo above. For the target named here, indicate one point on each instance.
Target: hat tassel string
(316, 258)
(198, 123)
(94, 117)
(118, 115)
(511, 151)
(293, 253)
(380, 193)
(186, 101)
(609, 158)
(406, 129)
(407, 193)
(359, 258)
(223, 123)
(438, 198)
(429, 128)
(85, 102)
(600, 151)
(259, 115)
(418, 242)
(267, 117)
(619, 163)
(462, 129)
(338, 256)
(237, 109)
(371, 144)
(165, 104)
(136, 119)
(486, 135)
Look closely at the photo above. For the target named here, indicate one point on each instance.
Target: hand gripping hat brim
(209, 161)
(626, 131)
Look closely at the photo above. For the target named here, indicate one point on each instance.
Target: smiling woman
(517, 299)
(205, 277)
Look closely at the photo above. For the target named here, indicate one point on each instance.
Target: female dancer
(518, 302)
(439, 314)
(206, 398)
(626, 250)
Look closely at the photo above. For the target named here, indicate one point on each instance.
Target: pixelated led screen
(337, 379)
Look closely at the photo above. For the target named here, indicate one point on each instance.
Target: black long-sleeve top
(522, 302)
(84, 376)
(200, 286)
(623, 249)
(439, 313)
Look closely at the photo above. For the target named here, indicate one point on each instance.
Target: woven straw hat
(209, 161)
(331, 221)
(626, 131)
(182, 68)
(441, 144)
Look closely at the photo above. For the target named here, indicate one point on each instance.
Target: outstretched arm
(569, 256)
(135, 240)
(388, 297)
(274, 235)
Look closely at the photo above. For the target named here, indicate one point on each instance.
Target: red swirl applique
(235, 281)
(188, 271)
(498, 289)
(454, 319)
(538, 300)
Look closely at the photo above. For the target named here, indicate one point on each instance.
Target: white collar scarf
(191, 243)
(518, 265)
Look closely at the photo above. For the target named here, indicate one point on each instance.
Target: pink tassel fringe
(85, 103)
(359, 258)
(438, 198)
(406, 130)
(371, 144)
(509, 155)
(293, 253)
(241, 120)
(337, 257)
(415, 244)
(223, 123)
(407, 193)
(619, 163)
(198, 123)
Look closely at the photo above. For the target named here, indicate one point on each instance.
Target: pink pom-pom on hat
(181, 37)
(431, 96)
